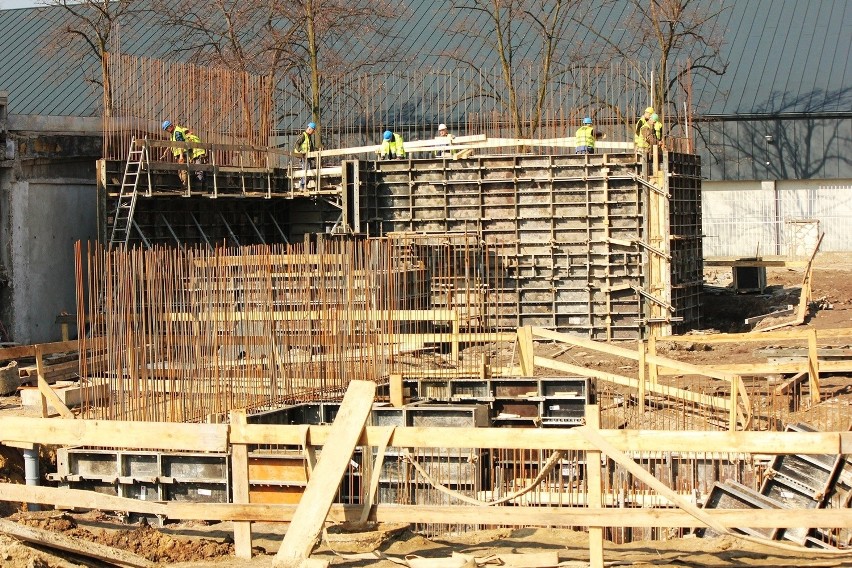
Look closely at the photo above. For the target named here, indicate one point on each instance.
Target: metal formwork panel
(575, 229)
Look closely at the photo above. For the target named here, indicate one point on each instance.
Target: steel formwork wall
(575, 230)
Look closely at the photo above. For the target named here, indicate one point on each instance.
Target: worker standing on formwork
(391, 147)
(585, 137)
(304, 145)
(185, 155)
(445, 134)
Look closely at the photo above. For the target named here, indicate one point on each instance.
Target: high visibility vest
(182, 134)
(585, 136)
(305, 143)
(638, 139)
(393, 148)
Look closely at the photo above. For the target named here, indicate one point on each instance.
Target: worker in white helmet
(443, 133)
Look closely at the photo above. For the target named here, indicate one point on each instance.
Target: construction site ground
(199, 544)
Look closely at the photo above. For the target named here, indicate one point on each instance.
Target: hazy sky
(9, 4)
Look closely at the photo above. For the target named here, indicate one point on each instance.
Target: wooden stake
(397, 398)
(240, 487)
(595, 489)
(525, 350)
(813, 367)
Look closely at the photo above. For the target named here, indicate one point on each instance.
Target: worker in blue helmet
(185, 155)
(585, 137)
(305, 144)
(392, 146)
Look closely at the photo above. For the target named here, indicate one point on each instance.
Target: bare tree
(526, 36)
(335, 37)
(89, 28)
(671, 40)
(249, 36)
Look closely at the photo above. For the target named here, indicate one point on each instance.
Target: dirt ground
(199, 545)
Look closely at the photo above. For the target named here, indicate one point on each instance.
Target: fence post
(240, 488)
(813, 366)
(595, 489)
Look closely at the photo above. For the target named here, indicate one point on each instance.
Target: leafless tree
(671, 40)
(249, 36)
(531, 40)
(89, 29)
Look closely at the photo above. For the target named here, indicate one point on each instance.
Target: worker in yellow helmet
(638, 138)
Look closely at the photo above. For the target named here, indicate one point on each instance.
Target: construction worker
(444, 133)
(391, 147)
(585, 137)
(638, 139)
(304, 145)
(648, 132)
(185, 155)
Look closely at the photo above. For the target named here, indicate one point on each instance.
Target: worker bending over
(392, 146)
(185, 155)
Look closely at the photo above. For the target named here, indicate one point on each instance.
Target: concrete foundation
(47, 202)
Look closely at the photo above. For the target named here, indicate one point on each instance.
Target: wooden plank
(525, 351)
(73, 545)
(240, 488)
(766, 262)
(47, 394)
(20, 351)
(514, 516)
(397, 399)
(116, 433)
(756, 369)
(310, 515)
(759, 337)
(558, 439)
(595, 489)
(813, 367)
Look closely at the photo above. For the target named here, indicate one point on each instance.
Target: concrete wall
(748, 218)
(42, 221)
(47, 202)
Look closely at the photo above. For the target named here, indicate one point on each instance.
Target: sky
(9, 4)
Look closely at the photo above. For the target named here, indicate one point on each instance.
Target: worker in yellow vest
(585, 137)
(392, 146)
(185, 155)
(638, 138)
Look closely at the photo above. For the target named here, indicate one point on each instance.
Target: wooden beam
(515, 516)
(116, 434)
(20, 351)
(397, 399)
(559, 439)
(768, 262)
(525, 351)
(758, 337)
(813, 367)
(786, 385)
(77, 546)
(317, 499)
(47, 394)
(240, 488)
(594, 482)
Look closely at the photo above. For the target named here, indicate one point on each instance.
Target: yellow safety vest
(182, 134)
(585, 136)
(393, 148)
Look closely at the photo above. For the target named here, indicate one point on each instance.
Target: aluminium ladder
(122, 222)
